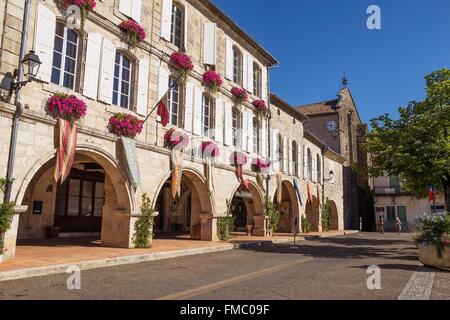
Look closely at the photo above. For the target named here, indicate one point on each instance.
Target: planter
(428, 257)
(52, 232)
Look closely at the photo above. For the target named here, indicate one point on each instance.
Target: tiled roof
(319, 107)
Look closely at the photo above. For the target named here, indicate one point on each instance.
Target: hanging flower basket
(238, 158)
(183, 63)
(67, 107)
(240, 95)
(212, 81)
(86, 6)
(260, 165)
(125, 125)
(176, 138)
(210, 149)
(133, 31)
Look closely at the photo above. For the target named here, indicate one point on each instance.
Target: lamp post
(28, 67)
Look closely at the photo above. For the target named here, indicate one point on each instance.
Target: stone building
(338, 124)
(98, 66)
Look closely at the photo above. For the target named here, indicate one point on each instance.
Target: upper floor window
(256, 130)
(257, 76)
(319, 169)
(281, 151)
(174, 102)
(122, 81)
(309, 164)
(236, 127)
(237, 66)
(65, 56)
(206, 115)
(177, 26)
(294, 156)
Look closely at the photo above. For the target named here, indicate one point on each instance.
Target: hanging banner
(209, 174)
(298, 191)
(132, 166)
(65, 153)
(176, 161)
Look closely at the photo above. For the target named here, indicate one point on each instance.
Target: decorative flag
(240, 177)
(308, 189)
(177, 172)
(209, 175)
(163, 112)
(65, 153)
(431, 194)
(298, 191)
(132, 165)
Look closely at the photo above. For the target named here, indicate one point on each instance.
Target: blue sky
(316, 41)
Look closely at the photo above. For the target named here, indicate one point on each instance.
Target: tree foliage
(416, 146)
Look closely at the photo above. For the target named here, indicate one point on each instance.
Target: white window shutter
(264, 94)
(142, 89)
(275, 151)
(290, 159)
(198, 102)
(244, 130)
(250, 131)
(125, 7)
(209, 43)
(136, 9)
(229, 59)
(245, 70)
(92, 66)
(263, 139)
(305, 163)
(250, 74)
(314, 168)
(228, 124)
(163, 82)
(285, 155)
(166, 19)
(299, 160)
(189, 106)
(44, 39)
(218, 129)
(107, 71)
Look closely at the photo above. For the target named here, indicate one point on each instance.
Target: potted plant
(225, 225)
(143, 227)
(240, 95)
(183, 63)
(306, 225)
(274, 217)
(325, 218)
(133, 32)
(433, 239)
(124, 125)
(212, 81)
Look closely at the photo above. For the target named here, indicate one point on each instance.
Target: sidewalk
(53, 256)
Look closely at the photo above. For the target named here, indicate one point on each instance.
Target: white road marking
(419, 286)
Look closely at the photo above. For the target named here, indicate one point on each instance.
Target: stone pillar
(260, 225)
(208, 227)
(10, 240)
(117, 228)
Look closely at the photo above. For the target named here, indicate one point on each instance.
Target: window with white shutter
(107, 71)
(237, 66)
(174, 103)
(219, 121)
(44, 40)
(166, 19)
(121, 93)
(294, 151)
(177, 26)
(244, 132)
(142, 92)
(256, 136)
(314, 168)
(189, 106)
(92, 66)
(275, 150)
(299, 160)
(228, 123)
(236, 128)
(131, 8)
(198, 104)
(228, 59)
(245, 68)
(290, 166)
(305, 163)
(256, 80)
(249, 73)
(250, 147)
(264, 94)
(209, 43)
(207, 115)
(286, 154)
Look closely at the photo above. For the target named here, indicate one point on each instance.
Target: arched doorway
(334, 218)
(246, 207)
(182, 215)
(312, 213)
(288, 207)
(90, 202)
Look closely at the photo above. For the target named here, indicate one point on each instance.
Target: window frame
(281, 152)
(319, 169)
(120, 81)
(173, 84)
(295, 157)
(257, 80)
(309, 163)
(236, 127)
(62, 68)
(177, 8)
(256, 127)
(237, 66)
(207, 129)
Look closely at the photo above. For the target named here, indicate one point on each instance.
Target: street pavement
(328, 268)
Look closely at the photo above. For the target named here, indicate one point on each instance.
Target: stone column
(10, 240)
(208, 227)
(260, 225)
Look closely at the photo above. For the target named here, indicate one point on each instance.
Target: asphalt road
(331, 268)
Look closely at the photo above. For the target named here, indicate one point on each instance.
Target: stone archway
(247, 207)
(312, 212)
(334, 217)
(190, 213)
(288, 206)
(107, 202)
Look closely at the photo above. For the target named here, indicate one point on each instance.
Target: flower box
(67, 107)
(176, 138)
(210, 149)
(212, 81)
(238, 158)
(133, 31)
(125, 125)
(183, 63)
(240, 95)
(429, 257)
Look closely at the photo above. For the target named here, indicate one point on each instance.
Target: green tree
(416, 147)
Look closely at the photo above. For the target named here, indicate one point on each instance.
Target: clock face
(331, 125)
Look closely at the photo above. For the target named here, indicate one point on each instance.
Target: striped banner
(65, 153)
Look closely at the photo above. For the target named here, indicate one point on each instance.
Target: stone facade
(100, 154)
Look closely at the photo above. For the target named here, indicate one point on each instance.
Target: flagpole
(157, 104)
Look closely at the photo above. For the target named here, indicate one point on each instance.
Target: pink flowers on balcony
(210, 149)
(63, 106)
(260, 105)
(134, 32)
(183, 63)
(125, 125)
(176, 138)
(212, 81)
(240, 95)
(238, 158)
(260, 165)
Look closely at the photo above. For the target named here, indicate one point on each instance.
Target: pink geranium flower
(126, 125)
(212, 80)
(240, 95)
(66, 107)
(135, 32)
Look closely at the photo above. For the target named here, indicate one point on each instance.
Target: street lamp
(30, 64)
(331, 176)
